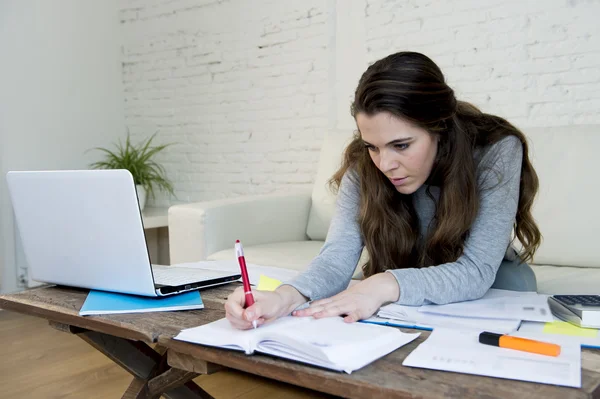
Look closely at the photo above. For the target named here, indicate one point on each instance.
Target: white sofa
(287, 230)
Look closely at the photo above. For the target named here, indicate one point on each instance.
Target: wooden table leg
(190, 363)
(137, 389)
(153, 376)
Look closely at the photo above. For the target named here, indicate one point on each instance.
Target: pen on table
(249, 299)
(520, 344)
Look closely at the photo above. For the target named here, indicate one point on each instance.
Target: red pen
(249, 299)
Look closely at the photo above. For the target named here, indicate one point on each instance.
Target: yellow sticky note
(267, 283)
(564, 328)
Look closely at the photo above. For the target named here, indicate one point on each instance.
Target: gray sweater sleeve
(473, 273)
(469, 277)
(331, 271)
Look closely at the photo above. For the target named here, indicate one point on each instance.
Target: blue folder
(102, 302)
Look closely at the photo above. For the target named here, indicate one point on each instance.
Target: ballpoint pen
(249, 299)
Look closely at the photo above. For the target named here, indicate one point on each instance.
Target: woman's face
(403, 152)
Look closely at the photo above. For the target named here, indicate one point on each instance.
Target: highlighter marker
(520, 344)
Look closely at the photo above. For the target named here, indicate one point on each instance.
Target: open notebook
(330, 342)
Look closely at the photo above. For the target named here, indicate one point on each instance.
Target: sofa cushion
(294, 255)
(291, 254)
(567, 280)
(298, 254)
(323, 200)
(566, 210)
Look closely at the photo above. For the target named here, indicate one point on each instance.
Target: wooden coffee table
(143, 345)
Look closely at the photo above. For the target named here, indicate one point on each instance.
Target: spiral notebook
(329, 342)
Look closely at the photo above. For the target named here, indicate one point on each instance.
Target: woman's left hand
(358, 302)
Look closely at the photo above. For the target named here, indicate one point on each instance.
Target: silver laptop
(84, 228)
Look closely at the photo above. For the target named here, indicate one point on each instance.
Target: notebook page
(332, 343)
(286, 351)
(460, 351)
(222, 334)
(218, 333)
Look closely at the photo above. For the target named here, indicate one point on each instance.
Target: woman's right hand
(268, 306)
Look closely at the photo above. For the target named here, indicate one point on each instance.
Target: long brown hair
(411, 86)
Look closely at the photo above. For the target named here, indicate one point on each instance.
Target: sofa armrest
(200, 229)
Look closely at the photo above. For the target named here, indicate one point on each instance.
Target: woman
(432, 187)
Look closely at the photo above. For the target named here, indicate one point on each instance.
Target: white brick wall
(535, 63)
(241, 86)
(248, 88)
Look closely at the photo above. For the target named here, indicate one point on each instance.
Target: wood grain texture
(170, 379)
(62, 304)
(152, 374)
(40, 362)
(137, 389)
(184, 361)
(387, 378)
(384, 378)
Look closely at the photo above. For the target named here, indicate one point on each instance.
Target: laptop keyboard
(175, 276)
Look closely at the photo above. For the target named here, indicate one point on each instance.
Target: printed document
(460, 351)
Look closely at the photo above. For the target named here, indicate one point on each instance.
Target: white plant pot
(141, 193)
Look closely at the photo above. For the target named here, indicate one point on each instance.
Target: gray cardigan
(473, 273)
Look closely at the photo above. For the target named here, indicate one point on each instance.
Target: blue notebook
(102, 302)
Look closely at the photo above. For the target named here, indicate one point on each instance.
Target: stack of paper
(498, 311)
(411, 317)
(586, 337)
(532, 307)
(460, 351)
(254, 271)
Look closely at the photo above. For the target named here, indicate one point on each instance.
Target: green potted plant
(138, 160)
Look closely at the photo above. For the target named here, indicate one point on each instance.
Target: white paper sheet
(412, 315)
(498, 305)
(532, 327)
(254, 271)
(460, 351)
